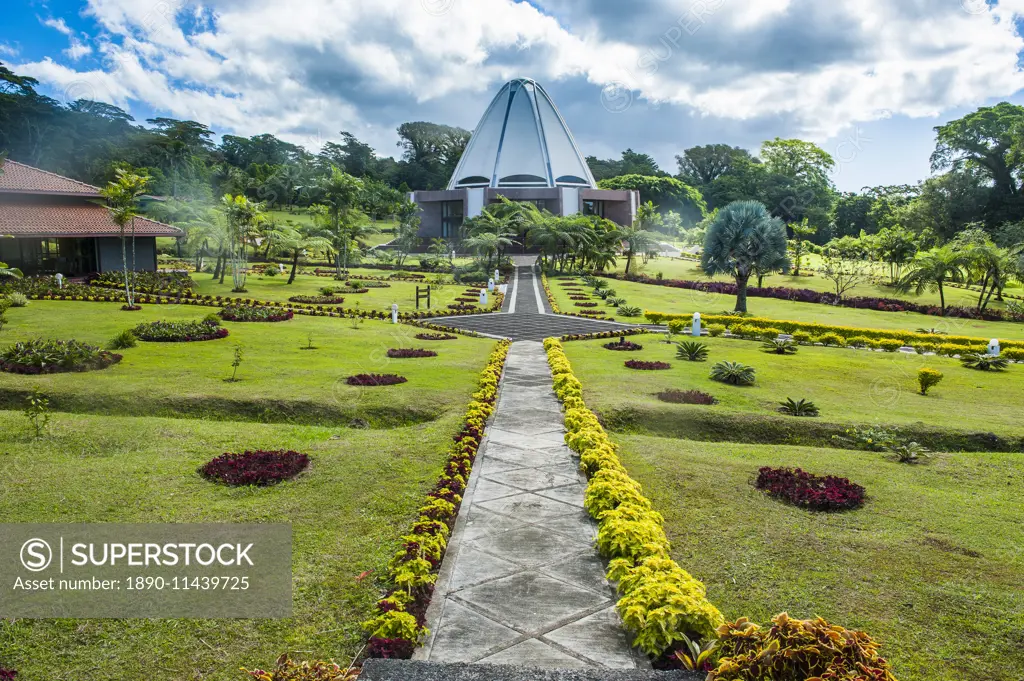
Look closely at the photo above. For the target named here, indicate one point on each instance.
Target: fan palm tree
(339, 195)
(743, 240)
(638, 238)
(294, 240)
(932, 270)
(991, 266)
(488, 244)
(122, 195)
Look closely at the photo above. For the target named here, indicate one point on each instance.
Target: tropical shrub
(308, 670)
(630, 311)
(796, 649)
(799, 407)
(716, 330)
(984, 362)
(179, 332)
(928, 378)
(831, 339)
(890, 344)
(49, 356)
(260, 467)
(254, 313)
(674, 396)
(122, 341)
(17, 299)
(692, 351)
(647, 366)
(436, 336)
(318, 300)
(372, 380)
(908, 451)
(809, 491)
(407, 353)
(734, 373)
(861, 342)
(781, 346)
(801, 336)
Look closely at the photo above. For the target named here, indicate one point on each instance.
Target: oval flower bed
(436, 336)
(405, 353)
(461, 306)
(586, 304)
(317, 300)
(254, 313)
(809, 491)
(367, 284)
(49, 356)
(623, 345)
(647, 366)
(179, 332)
(579, 297)
(373, 380)
(260, 467)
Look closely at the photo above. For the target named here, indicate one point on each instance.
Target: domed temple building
(522, 150)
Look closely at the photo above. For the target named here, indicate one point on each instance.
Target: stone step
(409, 670)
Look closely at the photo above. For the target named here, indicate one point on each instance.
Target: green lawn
(347, 512)
(277, 288)
(665, 299)
(849, 386)
(931, 566)
(280, 381)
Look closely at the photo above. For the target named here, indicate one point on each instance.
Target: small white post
(60, 280)
(394, 313)
(696, 324)
(280, 268)
(993, 347)
(490, 284)
(483, 297)
(497, 275)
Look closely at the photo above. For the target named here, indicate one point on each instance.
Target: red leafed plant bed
(7, 674)
(436, 336)
(254, 313)
(372, 380)
(647, 366)
(579, 297)
(623, 345)
(405, 353)
(461, 306)
(687, 397)
(809, 491)
(131, 308)
(467, 300)
(586, 304)
(260, 467)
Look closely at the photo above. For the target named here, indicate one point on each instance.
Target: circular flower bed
(260, 467)
(254, 313)
(436, 336)
(406, 353)
(624, 345)
(317, 300)
(586, 304)
(647, 366)
(48, 356)
(375, 379)
(809, 491)
(179, 332)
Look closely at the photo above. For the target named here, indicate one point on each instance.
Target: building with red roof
(50, 224)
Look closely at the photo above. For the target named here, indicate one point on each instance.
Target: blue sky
(866, 79)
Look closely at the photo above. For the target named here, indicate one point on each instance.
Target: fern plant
(734, 373)
(781, 346)
(799, 407)
(983, 362)
(692, 351)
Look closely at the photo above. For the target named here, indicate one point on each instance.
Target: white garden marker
(483, 297)
(394, 313)
(60, 280)
(497, 275)
(490, 285)
(696, 324)
(993, 347)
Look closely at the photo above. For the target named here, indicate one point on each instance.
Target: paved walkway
(521, 582)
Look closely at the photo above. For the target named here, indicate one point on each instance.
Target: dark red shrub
(436, 336)
(648, 366)
(579, 297)
(686, 397)
(461, 306)
(131, 308)
(372, 380)
(809, 491)
(406, 353)
(7, 674)
(623, 345)
(586, 304)
(255, 468)
(391, 648)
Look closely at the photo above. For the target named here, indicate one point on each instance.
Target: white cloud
(294, 68)
(77, 48)
(58, 24)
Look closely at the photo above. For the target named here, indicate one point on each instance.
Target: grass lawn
(665, 299)
(277, 288)
(931, 566)
(347, 512)
(849, 386)
(280, 382)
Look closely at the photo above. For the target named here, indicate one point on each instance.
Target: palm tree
(339, 193)
(798, 245)
(991, 266)
(294, 240)
(122, 195)
(488, 244)
(744, 239)
(638, 237)
(243, 219)
(931, 270)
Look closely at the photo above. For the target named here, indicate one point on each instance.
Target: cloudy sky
(866, 79)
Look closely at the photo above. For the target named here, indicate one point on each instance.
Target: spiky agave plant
(799, 407)
(629, 311)
(692, 351)
(734, 373)
(983, 362)
(781, 346)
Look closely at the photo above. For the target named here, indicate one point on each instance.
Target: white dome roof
(522, 141)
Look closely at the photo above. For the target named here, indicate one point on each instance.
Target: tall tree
(340, 193)
(701, 166)
(122, 196)
(799, 160)
(984, 139)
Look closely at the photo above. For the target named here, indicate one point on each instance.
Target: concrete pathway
(521, 582)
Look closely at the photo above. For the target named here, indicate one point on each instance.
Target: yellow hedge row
(660, 602)
(677, 322)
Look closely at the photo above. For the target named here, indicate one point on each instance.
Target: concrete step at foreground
(409, 670)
